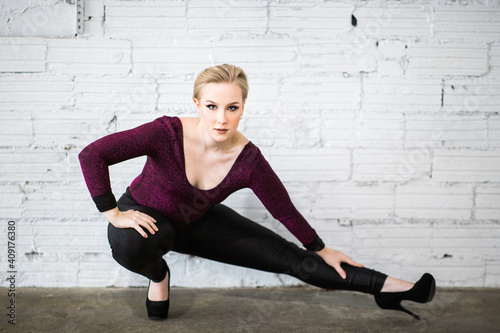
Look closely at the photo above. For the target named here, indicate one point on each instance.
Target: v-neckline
(183, 156)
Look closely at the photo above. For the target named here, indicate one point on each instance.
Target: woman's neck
(208, 143)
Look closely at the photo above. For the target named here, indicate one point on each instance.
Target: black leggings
(224, 235)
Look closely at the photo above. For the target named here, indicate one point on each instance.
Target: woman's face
(220, 107)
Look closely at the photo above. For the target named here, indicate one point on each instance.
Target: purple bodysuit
(163, 184)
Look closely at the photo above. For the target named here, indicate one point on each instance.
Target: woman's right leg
(136, 253)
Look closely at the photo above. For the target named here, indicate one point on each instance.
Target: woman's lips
(221, 130)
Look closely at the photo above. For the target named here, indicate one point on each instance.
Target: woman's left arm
(334, 258)
(270, 190)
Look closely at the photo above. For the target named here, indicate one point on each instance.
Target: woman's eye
(233, 108)
(211, 107)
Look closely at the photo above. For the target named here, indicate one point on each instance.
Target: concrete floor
(300, 309)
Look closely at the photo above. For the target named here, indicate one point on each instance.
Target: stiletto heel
(158, 310)
(422, 292)
(401, 308)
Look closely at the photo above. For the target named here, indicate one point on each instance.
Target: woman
(192, 165)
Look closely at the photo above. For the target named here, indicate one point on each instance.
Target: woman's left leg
(226, 236)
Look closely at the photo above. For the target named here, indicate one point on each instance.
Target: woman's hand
(132, 219)
(334, 258)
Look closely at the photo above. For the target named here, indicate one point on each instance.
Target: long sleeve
(270, 190)
(96, 158)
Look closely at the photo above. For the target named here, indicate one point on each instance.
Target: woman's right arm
(96, 158)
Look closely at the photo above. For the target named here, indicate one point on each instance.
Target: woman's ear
(198, 105)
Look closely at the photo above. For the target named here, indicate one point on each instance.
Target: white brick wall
(387, 133)
(442, 59)
(38, 18)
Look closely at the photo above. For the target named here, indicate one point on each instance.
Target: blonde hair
(220, 74)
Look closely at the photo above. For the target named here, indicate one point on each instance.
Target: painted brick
(428, 201)
(494, 131)
(495, 58)
(461, 59)
(380, 130)
(318, 164)
(466, 165)
(16, 129)
(24, 165)
(337, 237)
(396, 94)
(391, 68)
(455, 274)
(191, 55)
(338, 128)
(352, 201)
(95, 8)
(492, 275)
(339, 92)
(50, 273)
(22, 55)
(144, 20)
(392, 49)
(11, 203)
(338, 55)
(476, 237)
(91, 268)
(74, 205)
(175, 95)
(32, 18)
(116, 93)
(343, 129)
(226, 17)
(388, 236)
(474, 251)
(61, 207)
(471, 95)
(186, 56)
(89, 56)
(269, 55)
(487, 199)
(392, 19)
(263, 96)
(93, 28)
(284, 130)
(325, 19)
(446, 131)
(69, 239)
(472, 22)
(391, 165)
(93, 18)
(63, 129)
(27, 93)
(127, 120)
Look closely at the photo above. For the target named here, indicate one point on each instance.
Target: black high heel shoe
(422, 292)
(159, 309)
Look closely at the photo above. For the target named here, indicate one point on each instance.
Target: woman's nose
(221, 117)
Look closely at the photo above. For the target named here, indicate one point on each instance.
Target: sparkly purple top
(163, 184)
